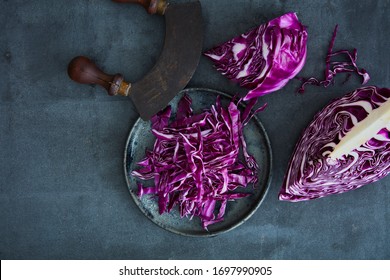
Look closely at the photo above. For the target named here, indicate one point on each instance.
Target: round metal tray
(237, 212)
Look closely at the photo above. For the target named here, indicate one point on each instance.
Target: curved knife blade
(177, 62)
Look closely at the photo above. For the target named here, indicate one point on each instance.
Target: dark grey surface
(63, 193)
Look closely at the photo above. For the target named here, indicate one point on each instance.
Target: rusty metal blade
(177, 62)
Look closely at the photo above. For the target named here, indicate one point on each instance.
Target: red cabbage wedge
(195, 161)
(265, 58)
(313, 172)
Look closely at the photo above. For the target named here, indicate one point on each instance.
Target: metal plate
(238, 211)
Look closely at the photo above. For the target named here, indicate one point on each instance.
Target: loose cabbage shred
(195, 161)
(332, 68)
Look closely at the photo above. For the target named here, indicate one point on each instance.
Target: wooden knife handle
(82, 70)
(151, 6)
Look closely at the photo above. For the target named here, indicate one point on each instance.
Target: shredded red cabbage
(334, 67)
(312, 174)
(195, 161)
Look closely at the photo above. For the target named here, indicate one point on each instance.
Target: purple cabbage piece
(265, 58)
(312, 174)
(195, 161)
(332, 68)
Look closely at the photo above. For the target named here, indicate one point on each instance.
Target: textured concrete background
(62, 189)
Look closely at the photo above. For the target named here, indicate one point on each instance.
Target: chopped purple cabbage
(195, 161)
